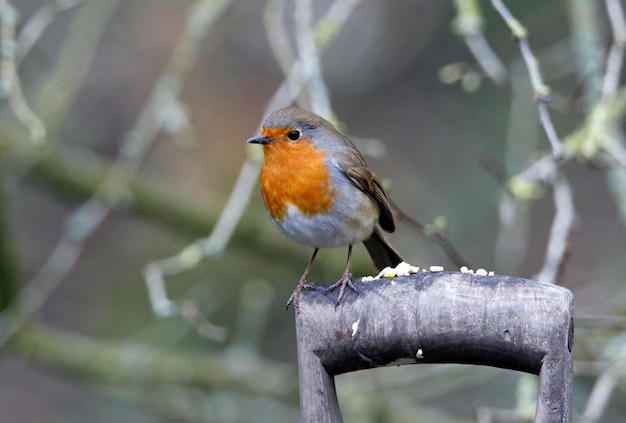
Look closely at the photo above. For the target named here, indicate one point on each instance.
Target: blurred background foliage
(122, 134)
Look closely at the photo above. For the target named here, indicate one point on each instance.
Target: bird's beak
(260, 139)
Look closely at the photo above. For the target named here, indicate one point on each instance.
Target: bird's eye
(294, 135)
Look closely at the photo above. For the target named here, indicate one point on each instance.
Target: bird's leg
(346, 279)
(302, 284)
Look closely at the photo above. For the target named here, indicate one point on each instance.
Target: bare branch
(615, 60)
(439, 237)
(35, 26)
(469, 24)
(129, 362)
(309, 58)
(59, 88)
(541, 90)
(10, 79)
(330, 25)
(556, 251)
(82, 223)
(277, 36)
(220, 236)
(603, 389)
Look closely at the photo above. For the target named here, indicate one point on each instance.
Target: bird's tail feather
(383, 254)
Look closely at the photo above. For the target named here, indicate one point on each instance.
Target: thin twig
(495, 169)
(615, 59)
(564, 217)
(10, 78)
(277, 37)
(326, 30)
(83, 222)
(154, 273)
(548, 126)
(58, 91)
(546, 171)
(34, 27)
(614, 64)
(605, 124)
(486, 58)
(587, 45)
(541, 90)
(542, 170)
(469, 24)
(309, 59)
(603, 389)
(438, 237)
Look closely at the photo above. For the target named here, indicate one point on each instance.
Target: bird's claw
(295, 296)
(346, 280)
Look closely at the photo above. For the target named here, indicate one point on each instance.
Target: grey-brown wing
(369, 183)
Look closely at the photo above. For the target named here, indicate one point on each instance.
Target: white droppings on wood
(355, 327)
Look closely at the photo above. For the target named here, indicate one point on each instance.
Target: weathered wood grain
(445, 317)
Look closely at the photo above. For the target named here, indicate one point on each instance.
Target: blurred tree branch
(87, 218)
(598, 140)
(126, 362)
(322, 34)
(10, 79)
(469, 24)
(60, 87)
(8, 259)
(71, 173)
(540, 89)
(36, 25)
(79, 175)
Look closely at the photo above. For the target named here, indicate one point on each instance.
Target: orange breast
(295, 173)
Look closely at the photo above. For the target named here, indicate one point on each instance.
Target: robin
(319, 192)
